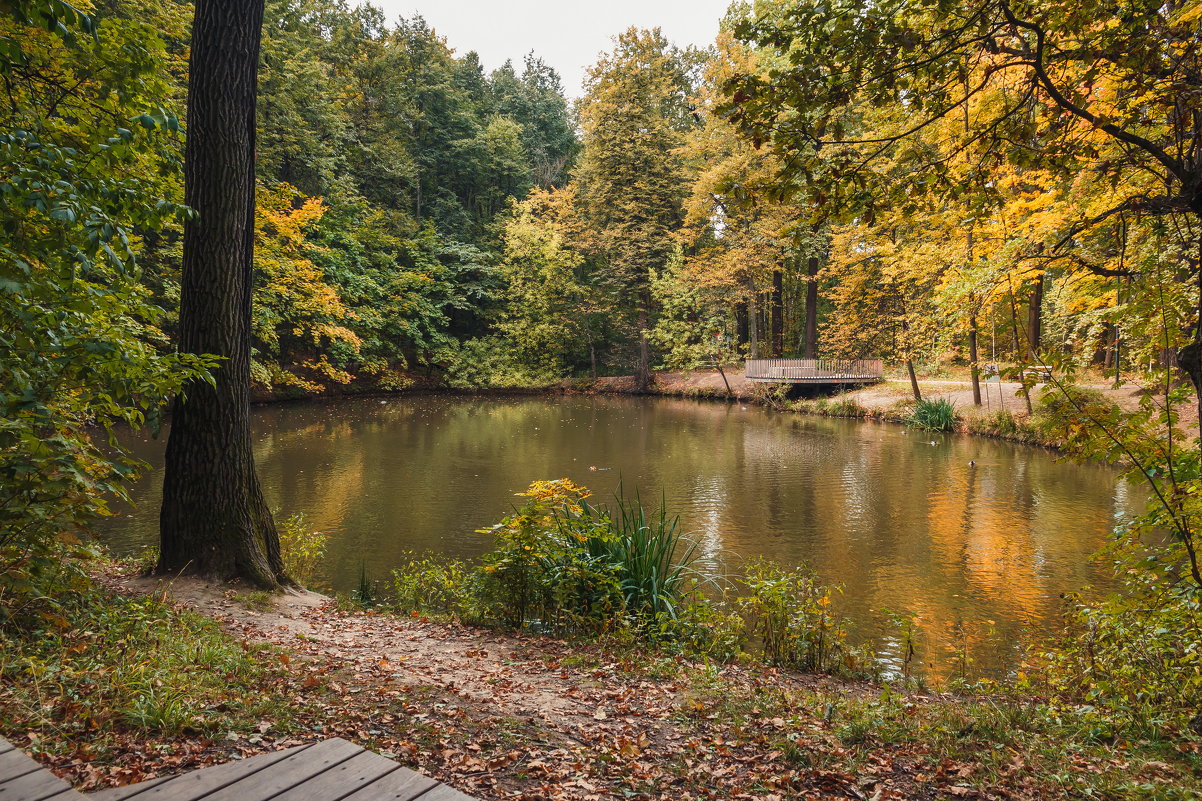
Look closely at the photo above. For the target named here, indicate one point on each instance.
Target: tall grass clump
(654, 561)
(934, 415)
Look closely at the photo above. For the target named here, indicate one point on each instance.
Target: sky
(567, 34)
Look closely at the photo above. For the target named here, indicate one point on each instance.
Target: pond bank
(1003, 416)
(527, 717)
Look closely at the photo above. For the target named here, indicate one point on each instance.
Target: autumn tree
(1079, 89)
(214, 520)
(630, 183)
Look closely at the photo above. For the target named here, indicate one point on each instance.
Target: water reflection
(974, 539)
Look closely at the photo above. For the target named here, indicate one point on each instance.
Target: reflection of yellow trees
(902, 524)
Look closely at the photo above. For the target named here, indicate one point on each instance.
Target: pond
(977, 540)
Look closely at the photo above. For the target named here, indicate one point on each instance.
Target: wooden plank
(361, 770)
(38, 785)
(444, 792)
(203, 782)
(262, 785)
(400, 785)
(14, 764)
(5, 746)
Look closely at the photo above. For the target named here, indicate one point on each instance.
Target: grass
(132, 666)
(987, 742)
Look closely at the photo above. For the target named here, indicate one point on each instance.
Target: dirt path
(887, 394)
(502, 716)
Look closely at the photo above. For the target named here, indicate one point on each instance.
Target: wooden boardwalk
(815, 371)
(332, 770)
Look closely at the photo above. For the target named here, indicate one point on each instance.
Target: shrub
(705, 627)
(933, 415)
(563, 564)
(433, 584)
(302, 549)
(1134, 660)
(790, 614)
(1069, 415)
(549, 565)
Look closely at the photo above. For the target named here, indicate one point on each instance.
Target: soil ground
(887, 394)
(502, 716)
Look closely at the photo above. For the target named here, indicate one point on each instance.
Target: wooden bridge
(332, 770)
(816, 371)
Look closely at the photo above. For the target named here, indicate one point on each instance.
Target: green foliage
(303, 550)
(703, 626)
(1070, 414)
(550, 565)
(366, 595)
(82, 353)
(790, 615)
(1130, 663)
(433, 584)
(933, 415)
(654, 560)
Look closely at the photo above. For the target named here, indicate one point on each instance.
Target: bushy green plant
(840, 407)
(1133, 659)
(1069, 415)
(999, 424)
(938, 414)
(303, 549)
(549, 564)
(433, 584)
(790, 614)
(705, 627)
(564, 564)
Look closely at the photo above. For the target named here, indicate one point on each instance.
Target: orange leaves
(297, 309)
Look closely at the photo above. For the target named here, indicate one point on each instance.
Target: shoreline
(887, 401)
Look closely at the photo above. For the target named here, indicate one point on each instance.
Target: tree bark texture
(974, 368)
(214, 520)
(642, 374)
(1035, 319)
(812, 308)
(778, 313)
(741, 328)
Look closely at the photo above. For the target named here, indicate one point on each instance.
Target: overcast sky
(567, 34)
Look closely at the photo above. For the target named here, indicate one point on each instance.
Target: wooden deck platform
(815, 371)
(332, 770)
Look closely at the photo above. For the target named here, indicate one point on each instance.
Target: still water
(975, 539)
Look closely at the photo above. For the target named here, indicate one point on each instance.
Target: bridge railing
(825, 370)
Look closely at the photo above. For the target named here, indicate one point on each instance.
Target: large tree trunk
(778, 313)
(812, 308)
(974, 368)
(1035, 319)
(742, 332)
(642, 376)
(214, 520)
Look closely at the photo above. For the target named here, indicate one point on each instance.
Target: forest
(419, 218)
(957, 187)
